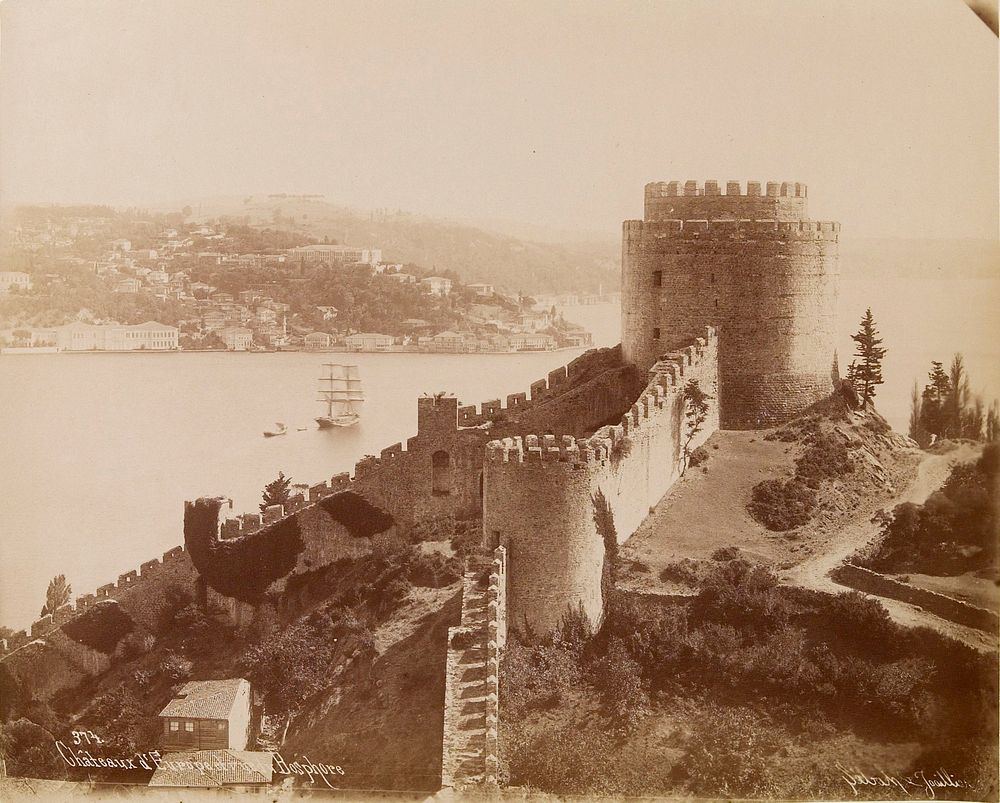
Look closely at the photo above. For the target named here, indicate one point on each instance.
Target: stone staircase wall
(471, 705)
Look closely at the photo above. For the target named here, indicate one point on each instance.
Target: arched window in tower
(441, 473)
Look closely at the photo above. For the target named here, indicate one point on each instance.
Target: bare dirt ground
(706, 510)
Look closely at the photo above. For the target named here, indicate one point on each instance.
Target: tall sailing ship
(341, 390)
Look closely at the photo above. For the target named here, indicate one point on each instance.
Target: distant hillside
(919, 259)
(474, 254)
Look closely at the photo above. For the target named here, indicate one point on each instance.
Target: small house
(208, 715)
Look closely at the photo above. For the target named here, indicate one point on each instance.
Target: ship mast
(343, 388)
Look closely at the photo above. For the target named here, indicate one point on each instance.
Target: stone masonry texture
(753, 265)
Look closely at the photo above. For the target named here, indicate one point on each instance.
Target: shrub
(432, 570)
(467, 542)
(536, 676)
(826, 458)
(392, 596)
(782, 504)
(201, 628)
(743, 596)
(727, 754)
(682, 571)
(617, 676)
(176, 667)
(299, 661)
(725, 553)
(698, 456)
(574, 629)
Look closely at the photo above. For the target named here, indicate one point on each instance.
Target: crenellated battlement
(735, 229)
(109, 591)
(666, 381)
(555, 383)
(710, 200)
(753, 189)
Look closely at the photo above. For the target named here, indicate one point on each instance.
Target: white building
(438, 285)
(149, 336)
(14, 278)
(335, 255)
(237, 338)
(369, 341)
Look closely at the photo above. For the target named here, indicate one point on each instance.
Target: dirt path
(814, 572)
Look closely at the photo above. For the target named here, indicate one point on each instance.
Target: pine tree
(934, 401)
(276, 492)
(868, 373)
(993, 423)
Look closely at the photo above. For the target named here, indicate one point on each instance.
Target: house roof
(213, 768)
(205, 699)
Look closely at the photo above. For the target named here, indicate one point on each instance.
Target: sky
(543, 112)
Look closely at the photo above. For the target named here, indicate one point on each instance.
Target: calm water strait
(99, 451)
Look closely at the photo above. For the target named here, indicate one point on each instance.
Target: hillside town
(84, 279)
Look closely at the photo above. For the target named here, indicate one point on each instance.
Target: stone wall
(49, 661)
(541, 492)
(954, 610)
(576, 398)
(751, 265)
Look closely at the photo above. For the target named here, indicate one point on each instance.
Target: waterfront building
(317, 341)
(237, 338)
(149, 336)
(14, 279)
(369, 341)
(532, 341)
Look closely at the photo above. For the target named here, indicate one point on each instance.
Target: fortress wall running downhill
(753, 266)
(470, 745)
(543, 494)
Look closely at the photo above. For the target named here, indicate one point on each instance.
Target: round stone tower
(752, 265)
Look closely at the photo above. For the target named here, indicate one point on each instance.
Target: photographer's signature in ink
(920, 783)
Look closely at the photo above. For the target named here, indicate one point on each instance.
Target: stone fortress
(751, 264)
(737, 290)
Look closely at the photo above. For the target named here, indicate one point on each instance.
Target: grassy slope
(706, 509)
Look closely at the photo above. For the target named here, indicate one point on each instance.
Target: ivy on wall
(240, 567)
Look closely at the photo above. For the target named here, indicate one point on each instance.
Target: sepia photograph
(516, 400)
